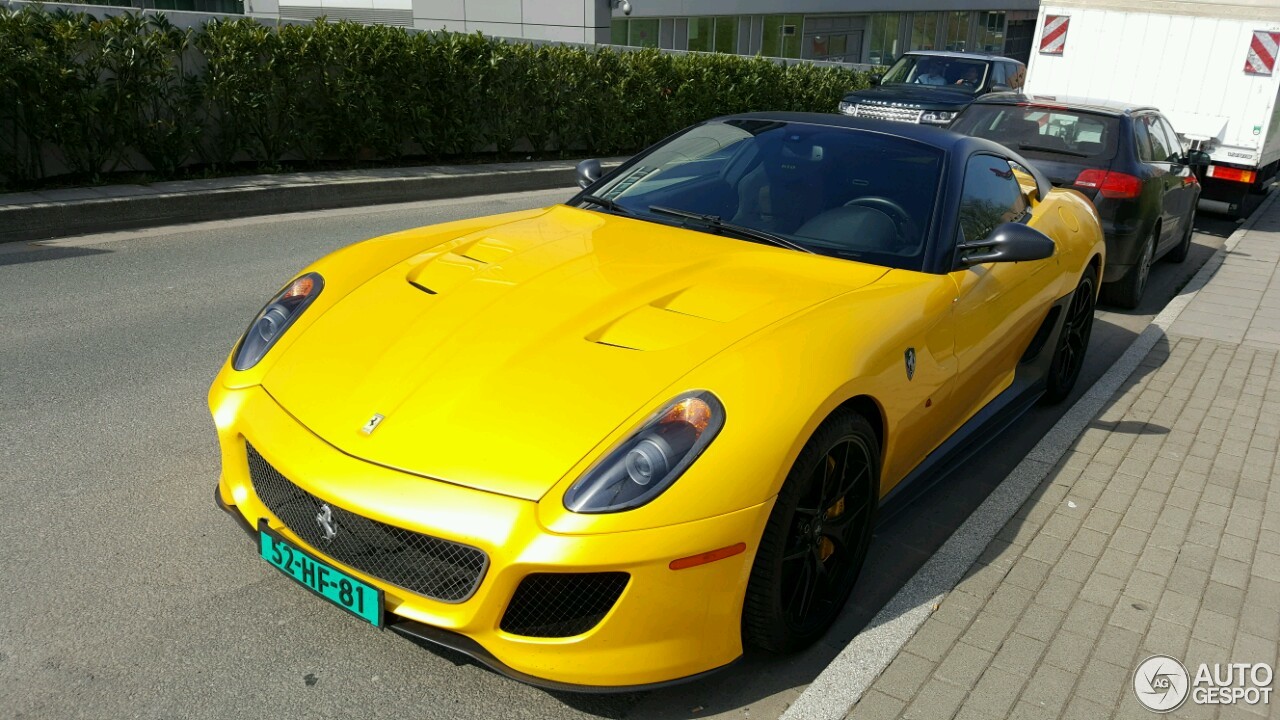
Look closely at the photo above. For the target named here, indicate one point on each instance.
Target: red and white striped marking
(1261, 59)
(1054, 37)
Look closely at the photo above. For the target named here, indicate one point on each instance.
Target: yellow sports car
(602, 445)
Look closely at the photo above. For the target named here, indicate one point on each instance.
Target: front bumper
(666, 625)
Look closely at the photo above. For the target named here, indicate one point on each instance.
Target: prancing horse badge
(372, 425)
(910, 357)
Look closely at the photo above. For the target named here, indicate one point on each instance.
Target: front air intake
(562, 604)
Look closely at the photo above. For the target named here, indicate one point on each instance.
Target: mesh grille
(562, 604)
(426, 565)
(883, 112)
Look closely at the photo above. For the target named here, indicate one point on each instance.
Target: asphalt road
(124, 593)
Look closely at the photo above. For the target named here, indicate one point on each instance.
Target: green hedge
(90, 96)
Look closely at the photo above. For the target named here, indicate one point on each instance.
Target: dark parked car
(932, 87)
(1126, 159)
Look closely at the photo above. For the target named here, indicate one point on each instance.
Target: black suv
(932, 87)
(1127, 159)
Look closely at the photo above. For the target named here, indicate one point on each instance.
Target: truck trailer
(1211, 66)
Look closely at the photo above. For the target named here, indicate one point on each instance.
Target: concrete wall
(702, 8)
(583, 21)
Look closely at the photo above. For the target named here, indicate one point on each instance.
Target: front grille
(562, 604)
(885, 112)
(439, 569)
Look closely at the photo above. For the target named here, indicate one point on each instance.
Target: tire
(1073, 341)
(1179, 253)
(1127, 291)
(816, 540)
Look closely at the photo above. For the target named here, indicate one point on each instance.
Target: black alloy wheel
(817, 537)
(1073, 341)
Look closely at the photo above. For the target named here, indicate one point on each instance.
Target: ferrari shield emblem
(910, 357)
(372, 425)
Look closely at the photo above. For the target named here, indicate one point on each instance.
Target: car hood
(501, 358)
(924, 97)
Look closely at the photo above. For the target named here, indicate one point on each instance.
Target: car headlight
(940, 117)
(275, 318)
(848, 108)
(641, 467)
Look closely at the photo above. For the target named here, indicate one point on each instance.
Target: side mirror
(874, 80)
(1010, 242)
(1197, 157)
(588, 173)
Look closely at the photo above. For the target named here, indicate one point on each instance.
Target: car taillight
(1110, 184)
(1230, 173)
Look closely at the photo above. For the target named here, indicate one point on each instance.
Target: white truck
(1211, 66)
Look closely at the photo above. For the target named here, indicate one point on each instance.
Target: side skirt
(1029, 381)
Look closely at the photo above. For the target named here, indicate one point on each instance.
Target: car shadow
(766, 683)
(22, 253)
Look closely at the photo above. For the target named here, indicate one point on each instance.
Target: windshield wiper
(714, 221)
(606, 203)
(1059, 151)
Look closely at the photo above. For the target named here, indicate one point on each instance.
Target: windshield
(955, 73)
(1042, 131)
(833, 191)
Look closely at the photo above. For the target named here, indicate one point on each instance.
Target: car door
(1183, 185)
(1169, 182)
(999, 306)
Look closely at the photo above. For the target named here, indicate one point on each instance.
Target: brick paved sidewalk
(1158, 533)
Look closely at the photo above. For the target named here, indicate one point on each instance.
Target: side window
(998, 74)
(1171, 140)
(991, 196)
(1016, 74)
(1142, 140)
(1160, 149)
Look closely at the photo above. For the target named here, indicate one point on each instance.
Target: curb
(833, 694)
(270, 195)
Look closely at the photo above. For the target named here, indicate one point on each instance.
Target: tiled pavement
(1158, 533)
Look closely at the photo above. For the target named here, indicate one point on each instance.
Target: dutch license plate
(356, 597)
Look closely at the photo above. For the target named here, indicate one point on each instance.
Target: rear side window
(1142, 140)
(991, 196)
(1041, 131)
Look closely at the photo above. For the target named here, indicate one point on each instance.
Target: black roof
(952, 143)
(1093, 105)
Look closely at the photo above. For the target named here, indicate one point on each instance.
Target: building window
(991, 32)
(618, 32)
(837, 38)
(726, 35)
(958, 30)
(701, 31)
(884, 38)
(643, 33)
(924, 31)
(781, 36)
